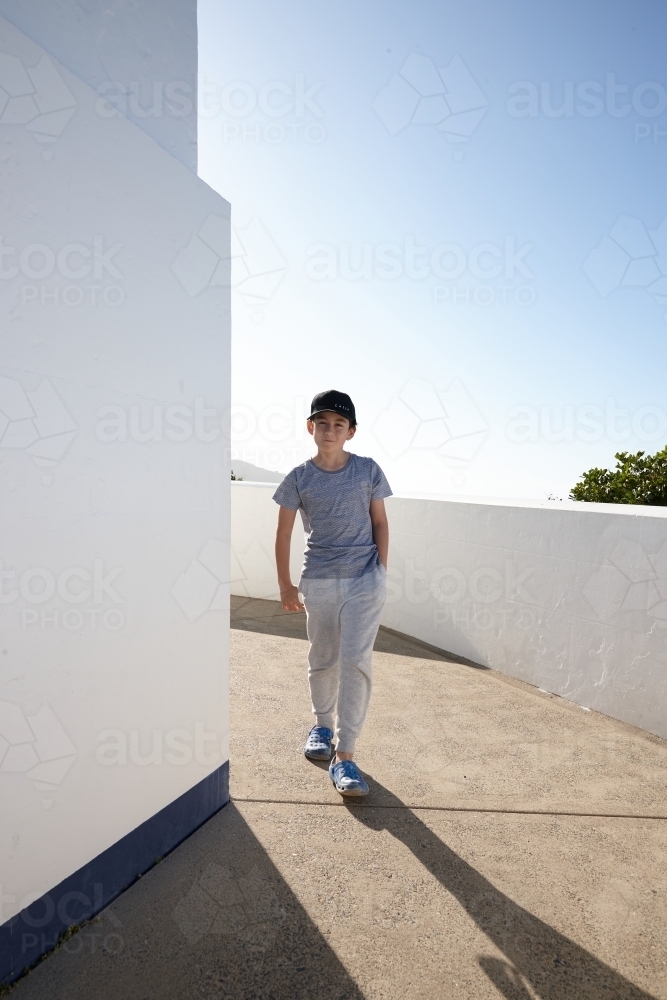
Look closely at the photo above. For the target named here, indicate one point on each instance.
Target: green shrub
(638, 478)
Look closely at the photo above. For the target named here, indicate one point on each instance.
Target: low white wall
(254, 520)
(568, 596)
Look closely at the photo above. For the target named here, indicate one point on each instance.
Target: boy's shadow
(554, 966)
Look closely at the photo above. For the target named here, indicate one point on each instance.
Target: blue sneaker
(318, 745)
(347, 778)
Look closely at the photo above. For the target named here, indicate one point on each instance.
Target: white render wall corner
(140, 58)
(570, 597)
(114, 296)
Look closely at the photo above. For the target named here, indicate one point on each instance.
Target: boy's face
(330, 431)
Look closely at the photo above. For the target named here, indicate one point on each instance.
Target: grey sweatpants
(343, 617)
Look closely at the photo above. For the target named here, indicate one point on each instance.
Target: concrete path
(513, 846)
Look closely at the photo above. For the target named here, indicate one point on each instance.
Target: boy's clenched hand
(289, 598)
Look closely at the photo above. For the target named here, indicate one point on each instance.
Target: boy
(343, 581)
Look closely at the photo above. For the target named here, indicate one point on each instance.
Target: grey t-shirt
(335, 509)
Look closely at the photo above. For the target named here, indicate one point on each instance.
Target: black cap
(338, 402)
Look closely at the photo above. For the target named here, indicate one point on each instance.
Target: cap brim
(327, 409)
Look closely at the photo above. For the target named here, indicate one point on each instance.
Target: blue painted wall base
(35, 931)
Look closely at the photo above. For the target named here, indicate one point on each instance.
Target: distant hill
(254, 474)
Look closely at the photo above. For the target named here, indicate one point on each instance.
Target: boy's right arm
(289, 595)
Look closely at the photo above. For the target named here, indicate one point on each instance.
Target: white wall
(254, 521)
(570, 597)
(142, 55)
(115, 536)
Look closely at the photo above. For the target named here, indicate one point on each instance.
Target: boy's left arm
(380, 529)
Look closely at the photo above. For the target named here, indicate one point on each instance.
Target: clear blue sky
(323, 176)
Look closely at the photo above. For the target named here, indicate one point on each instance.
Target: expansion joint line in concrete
(452, 809)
